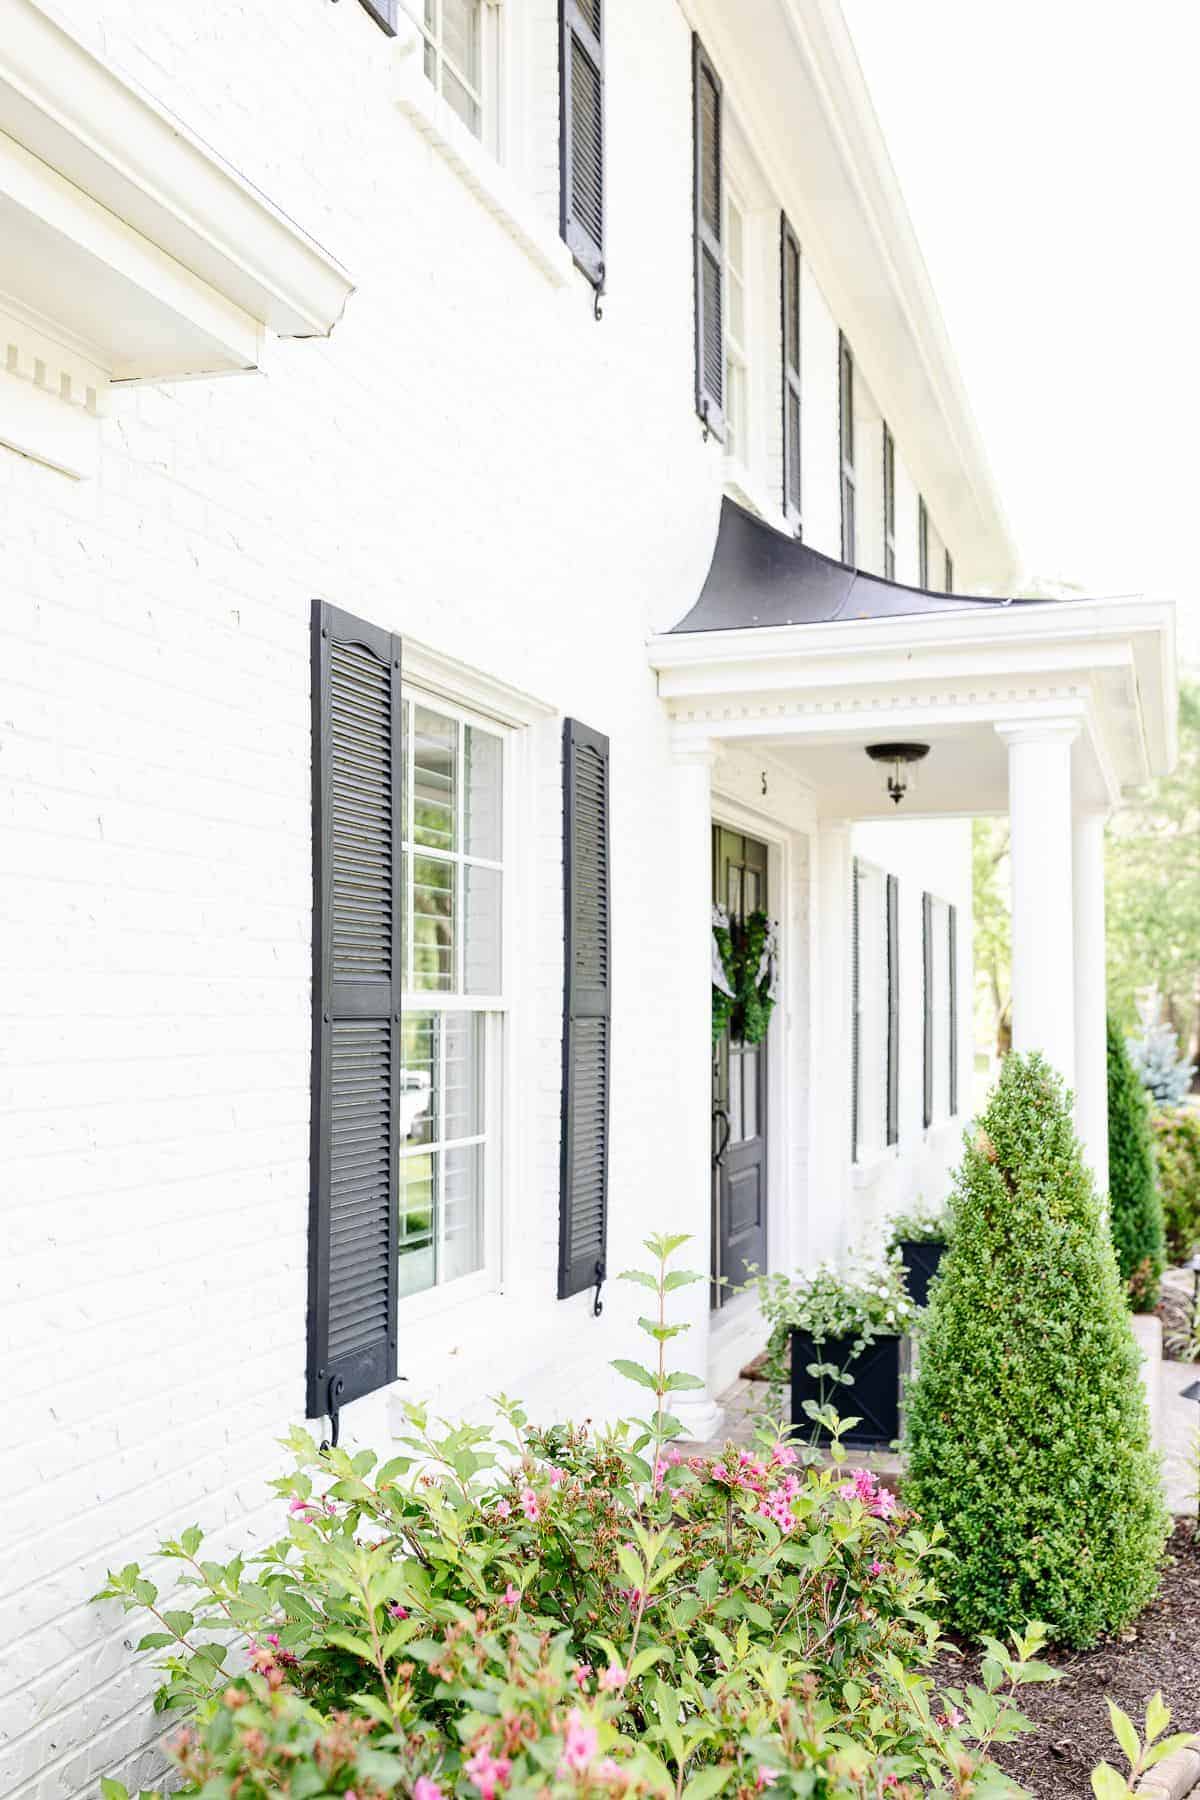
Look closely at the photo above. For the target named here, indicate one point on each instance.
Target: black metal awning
(760, 577)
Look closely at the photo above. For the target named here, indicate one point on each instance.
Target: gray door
(739, 1120)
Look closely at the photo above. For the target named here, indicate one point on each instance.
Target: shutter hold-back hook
(597, 1302)
(333, 1407)
(598, 296)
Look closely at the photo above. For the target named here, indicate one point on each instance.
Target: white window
(461, 58)
(737, 375)
(870, 976)
(454, 1002)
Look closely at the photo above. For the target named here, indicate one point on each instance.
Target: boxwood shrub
(1134, 1209)
(1029, 1437)
(1177, 1158)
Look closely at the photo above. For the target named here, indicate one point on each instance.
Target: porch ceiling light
(901, 758)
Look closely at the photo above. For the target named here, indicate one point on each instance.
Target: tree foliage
(1135, 1213)
(1028, 1432)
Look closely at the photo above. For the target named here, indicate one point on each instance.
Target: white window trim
(462, 691)
(472, 161)
(871, 1072)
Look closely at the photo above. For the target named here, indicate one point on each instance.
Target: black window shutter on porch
(581, 132)
(357, 981)
(587, 1011)
(855, 1008)
(927, 958)
(708, 178)
(893, 1010)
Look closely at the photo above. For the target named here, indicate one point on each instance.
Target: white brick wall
(470, 460)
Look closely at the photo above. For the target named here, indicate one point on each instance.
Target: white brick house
(359, 225)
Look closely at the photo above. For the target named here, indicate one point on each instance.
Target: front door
(739, 1119)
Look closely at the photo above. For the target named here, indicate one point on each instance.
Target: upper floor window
(737, 361)
(889, 505)
(460, 49)
(790, 301)
(922, 544)
(846, 440)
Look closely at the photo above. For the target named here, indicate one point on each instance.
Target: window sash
(789, 345)
(846, 448)
(440, 60)
(889, 505)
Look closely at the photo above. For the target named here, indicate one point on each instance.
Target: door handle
(720, 1113)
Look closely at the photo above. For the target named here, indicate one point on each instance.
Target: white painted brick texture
(474, 462)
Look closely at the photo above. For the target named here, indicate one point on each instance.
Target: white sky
(1048, 153)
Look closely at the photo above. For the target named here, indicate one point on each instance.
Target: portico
(1048, 712)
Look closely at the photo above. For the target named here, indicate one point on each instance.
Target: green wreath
(745, 975)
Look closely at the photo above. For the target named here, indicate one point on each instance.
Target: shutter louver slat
(587, 965)
(708, 203)
(356, 1009)
(581, 143)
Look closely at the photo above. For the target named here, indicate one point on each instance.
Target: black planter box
(921, 1261)
(874, 1398)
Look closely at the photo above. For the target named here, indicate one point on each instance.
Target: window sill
(743, 486)
(446, 133)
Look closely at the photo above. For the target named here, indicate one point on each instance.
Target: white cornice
(61, 101)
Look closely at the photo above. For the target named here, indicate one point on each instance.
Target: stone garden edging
(1176, 1777)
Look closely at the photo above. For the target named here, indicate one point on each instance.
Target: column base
(698, 1414)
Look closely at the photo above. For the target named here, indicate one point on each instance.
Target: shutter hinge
(597, 1302)
(598, 295)
(333, 1407)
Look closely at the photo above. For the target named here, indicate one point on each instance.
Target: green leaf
(681, 1380)
(345, 1640)
(1124, 1732)
(113, 1790)
(681, 1278)
(635, 1372)
(642, 1278)
(1107, 1784)
(707, 1782)
(1158, 1717)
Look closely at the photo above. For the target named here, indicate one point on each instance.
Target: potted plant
(836, 1337)
(921, 1237)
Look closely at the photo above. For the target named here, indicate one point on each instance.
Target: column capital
(1062, 729)
(694, 752)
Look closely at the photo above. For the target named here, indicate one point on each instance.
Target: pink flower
(579, 1675)
(608, 1769)
(512, 1595)
(398, 1612)
(766, 1777)
(877, 1568)
(861, 1486)
(954, 1718)
(425, 1789)
(633, 1598)
(502, 1509)
(613, 1677)
(555, 1474)
(783, 1455)
(529, 1502)
(579, 1745)
(885, 1504)
(488, 1772)
(350, 1794)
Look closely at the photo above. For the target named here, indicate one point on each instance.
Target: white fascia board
(93, 126)
(794, 82)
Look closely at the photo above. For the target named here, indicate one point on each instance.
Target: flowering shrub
(554, 1612)
(852, 1309)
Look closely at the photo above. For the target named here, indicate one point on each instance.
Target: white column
(1091, 1050)
(1043, 946)
(829, 1125)
(688, 1204)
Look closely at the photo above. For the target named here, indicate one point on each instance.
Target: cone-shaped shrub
(1135, 1213)
(1028, 1434)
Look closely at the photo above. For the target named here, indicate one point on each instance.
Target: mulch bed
(1161, 1650)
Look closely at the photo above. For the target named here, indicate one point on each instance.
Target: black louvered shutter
(383, 12)
(357, 779)
(927, 960)
(581, 133)
(893, 1010)
(952, 1001)
(855, 1009)
(587, 1011)
(789, 293)
(709, 227)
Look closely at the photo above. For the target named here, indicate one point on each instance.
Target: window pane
(462, 1211)
(482, 973)
(459, 100)
(433, 923)
(417, 1256)
(460, 38)
(484, 826)
(435, 758)
(750, 1093)
(418, 1124)
(460, 1111)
